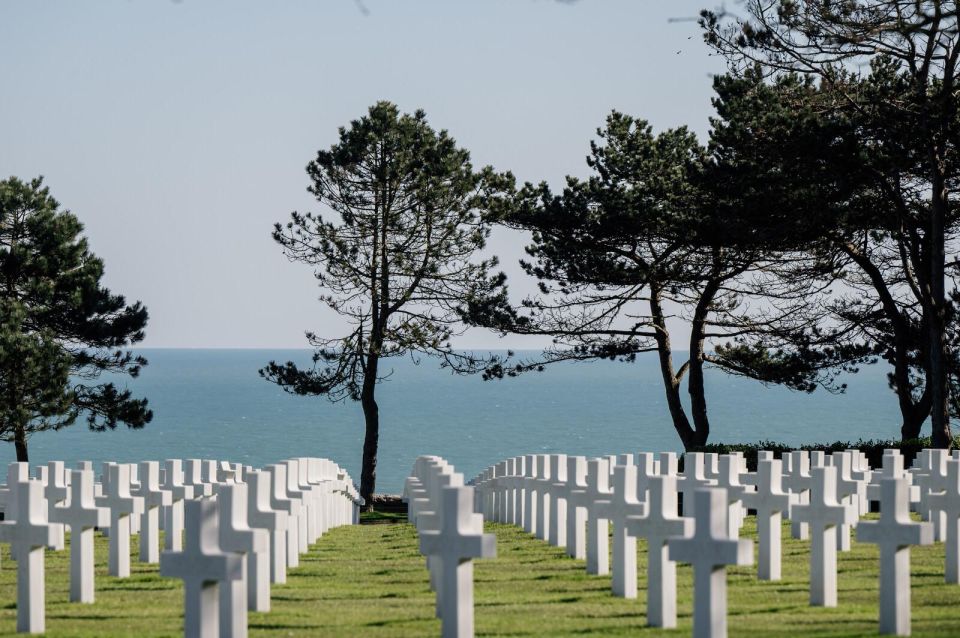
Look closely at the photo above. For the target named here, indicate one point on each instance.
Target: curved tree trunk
(914, 414)
(937, 366)
(371, 439)
(20, 442)
(698, 328)
(671, 380)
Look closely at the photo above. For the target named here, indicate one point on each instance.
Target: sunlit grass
(370, 580)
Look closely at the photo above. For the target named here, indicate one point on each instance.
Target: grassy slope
(370, 581)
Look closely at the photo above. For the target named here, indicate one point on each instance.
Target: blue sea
(213, 404)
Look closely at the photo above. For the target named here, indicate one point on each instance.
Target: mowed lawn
(369, 580)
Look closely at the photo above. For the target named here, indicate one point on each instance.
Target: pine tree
(399, 264)
(917, 45)
(60, 330)
(657, 231)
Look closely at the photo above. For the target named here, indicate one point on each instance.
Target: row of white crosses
(572, 502)
(451, 536)
(254, 512)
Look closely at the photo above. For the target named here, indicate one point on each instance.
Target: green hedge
(873, 449)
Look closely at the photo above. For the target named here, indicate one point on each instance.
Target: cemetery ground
(370, 580)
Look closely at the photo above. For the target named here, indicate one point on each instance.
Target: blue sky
(178, 131)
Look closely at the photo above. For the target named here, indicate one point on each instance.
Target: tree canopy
(891, 67)
(399, 264)
(61, 332)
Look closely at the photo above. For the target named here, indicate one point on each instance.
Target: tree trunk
(695, 384)
(698, 398)
(371, 439)
(914, 414)
(937, 365)
(20, 442)
(671, 383)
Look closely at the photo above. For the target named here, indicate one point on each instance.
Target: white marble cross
(56, 492)
(891, 466)
(669, 464)
(661, 523)
(543, 482)
(81, 515)
(173, 514)
(623, 504)
(312, 496)
(599, 496)
(515, 510)
(948, 502)
(728, 477)
(694, 476)
(849, 490)
(29, 534)
(797, 480)
(203, 566)
(122, 506)
(530, 497)
(710, 550)
(210, 474)
(647, 467)
(236, 536)
(261, 516)
(751, 478)
(228, 472)
(295, 493)
(823, 514)
(930, 477)
(711, 464)
(895, 533)
(503, 491)
(577, 502)
(557, 489)
(193, 476)
(770, 502)
(438, 476)
(154, 498)
(17, 472)
(506, 482)
(279, 501)
(818, 458)
(458, 540)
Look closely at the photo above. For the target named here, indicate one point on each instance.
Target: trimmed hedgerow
(872, 448)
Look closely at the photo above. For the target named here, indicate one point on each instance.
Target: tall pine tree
(60, 330)
(917, 45)
(399, 265)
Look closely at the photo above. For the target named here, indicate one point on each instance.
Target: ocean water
(213, 404)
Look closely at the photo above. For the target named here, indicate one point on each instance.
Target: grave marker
(598, 499)
(458, 540)
(710, 550)
(948, 502)
(895, 533)
(173, 514)
(202, 566)
(577, 511)
(823, 514)
(770, 502)
(661, 523)
(122, 506)
(81, 515)
(29, 534)
(624, 504)
(236, 536)
(154, 497)
(261, 516)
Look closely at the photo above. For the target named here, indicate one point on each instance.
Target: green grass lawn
(369, 580)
